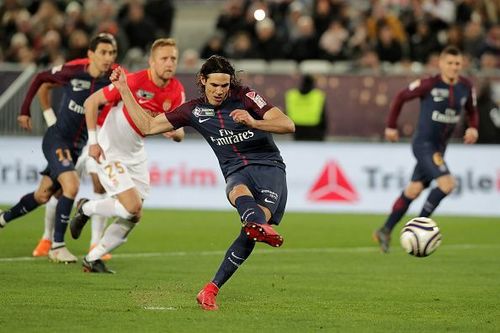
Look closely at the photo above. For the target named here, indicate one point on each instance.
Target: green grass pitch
(328, 277)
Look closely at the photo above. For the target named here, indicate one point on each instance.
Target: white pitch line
(365, 249)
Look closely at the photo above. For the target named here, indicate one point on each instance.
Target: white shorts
(85, 163)
(117, 177)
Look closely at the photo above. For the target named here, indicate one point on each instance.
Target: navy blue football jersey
(441, 107)
(234, 144)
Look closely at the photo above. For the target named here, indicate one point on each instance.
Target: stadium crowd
(366, 33)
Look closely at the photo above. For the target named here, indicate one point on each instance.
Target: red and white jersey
(119, 137)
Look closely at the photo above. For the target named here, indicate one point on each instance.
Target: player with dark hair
(442, 99)
(84, 164)
(237, 124)
(62, 143)
(119, 149)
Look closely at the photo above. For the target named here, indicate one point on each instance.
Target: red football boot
(263, 233)
(206, 297)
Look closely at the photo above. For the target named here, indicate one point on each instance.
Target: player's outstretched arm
(275, 121)
(145, 123)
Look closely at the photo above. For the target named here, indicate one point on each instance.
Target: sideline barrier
(322, 177)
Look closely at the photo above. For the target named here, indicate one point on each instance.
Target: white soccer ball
(420, 237)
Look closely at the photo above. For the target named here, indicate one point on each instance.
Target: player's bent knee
(42, 197)
(130, 213)
(446, 184)
(413, 191)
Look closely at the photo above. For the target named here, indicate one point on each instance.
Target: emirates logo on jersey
(332, 185)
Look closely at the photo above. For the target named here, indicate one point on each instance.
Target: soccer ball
(420, 237)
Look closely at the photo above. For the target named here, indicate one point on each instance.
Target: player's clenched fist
(391, 134)
(118, 77)
(242, 117)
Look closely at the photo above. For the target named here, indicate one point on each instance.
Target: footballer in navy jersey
(63, 141)
(235, 144)
(444, 99)
(237, 123)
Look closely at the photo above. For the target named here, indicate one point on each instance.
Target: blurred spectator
(454, 37)
(162, 12)
(138, 28)
(489, 12)
(47, 17)
(295, 11)
(190, 61)
(18, 41)
(12, 17)
(358, 43)
(423, 43)
(333, 42)
(232, 19)
(432, 64)
(322, 15)
(464, 12)
(306, 106)
(74, 19)
(214, 46)
(268, 45)
(473, 38)
(369, 62)
(51, 53)
(241, 47)
(305, 46)
(489, 114)
(380, 17)
(440, 13)
(492, 41)
(388, 47)
(489, 61)
(25, 56)
(78, 45)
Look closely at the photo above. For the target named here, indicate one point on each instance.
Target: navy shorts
(268, 187)
(430, 165)
(60, 155)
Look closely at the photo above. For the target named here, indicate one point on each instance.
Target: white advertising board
(322, 177)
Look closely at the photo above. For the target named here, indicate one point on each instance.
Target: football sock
(63, 211)
(106, 207)
(50, 218)
(398, 211)
(249, 210)
(114, 236)
(98, 223)
(433, 200)
(236, 255)
(23, 207)
(98, 226)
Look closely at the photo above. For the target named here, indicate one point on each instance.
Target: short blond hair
(160, 42)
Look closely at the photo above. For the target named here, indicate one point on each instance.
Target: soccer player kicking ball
(119, 149)
(63, 142)
(237, 124)
(442, 99)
